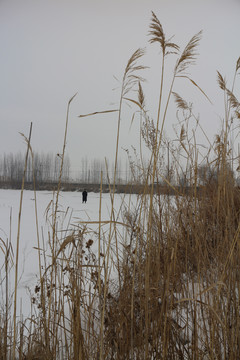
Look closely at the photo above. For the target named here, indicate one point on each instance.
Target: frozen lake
(72, 211)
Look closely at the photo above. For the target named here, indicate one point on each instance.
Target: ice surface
(69, 202)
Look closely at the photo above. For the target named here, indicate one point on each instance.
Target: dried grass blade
(135, 102)
(69, 239)
(195, 84)
(233, 100)
(132, 121)
(104, 222)
(98, 112)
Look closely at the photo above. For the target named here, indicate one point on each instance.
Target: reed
(17, 249)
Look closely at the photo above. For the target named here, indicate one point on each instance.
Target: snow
(72, 211)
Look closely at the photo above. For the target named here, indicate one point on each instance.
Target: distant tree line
(92, 170)
(46, 168)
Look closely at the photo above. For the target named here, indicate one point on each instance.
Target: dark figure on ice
(84, 196)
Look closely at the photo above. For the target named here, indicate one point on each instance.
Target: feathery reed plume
(141, 98)
(157, 35)
(221, 81)
(181, 103)
(157, 31)
(189, 54)
(130, 78)
(140, 102)
(183, 134)
(233, 101)
(238, 64)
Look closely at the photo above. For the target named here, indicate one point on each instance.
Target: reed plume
(180, 102)
(238, 64)
(221, 81)
(130, 77)
(157, 35)
(141, 97)
(189, 54)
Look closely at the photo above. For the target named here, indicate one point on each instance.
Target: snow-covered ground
(69, 202)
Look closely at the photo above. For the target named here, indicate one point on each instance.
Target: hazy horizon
(54, 49)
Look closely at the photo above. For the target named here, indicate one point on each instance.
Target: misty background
(52, 49)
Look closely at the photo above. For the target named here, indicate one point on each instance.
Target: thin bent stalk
(43, 303)
(54, 227)
(99, 238)
(155, 156)
(110, 233)
(7, 256)
(17, 249)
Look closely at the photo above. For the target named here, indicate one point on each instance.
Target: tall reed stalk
(17, 249)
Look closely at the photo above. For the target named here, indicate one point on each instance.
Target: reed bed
(160, 279)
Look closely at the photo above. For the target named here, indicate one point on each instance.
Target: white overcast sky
(51, 49)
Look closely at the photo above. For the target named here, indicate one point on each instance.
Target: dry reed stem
(17, 249)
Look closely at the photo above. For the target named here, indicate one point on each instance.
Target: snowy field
(72, 211)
